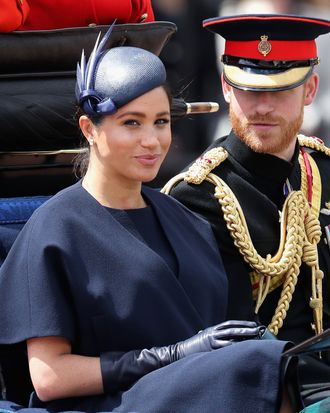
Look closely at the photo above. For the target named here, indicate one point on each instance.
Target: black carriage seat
(14, 375)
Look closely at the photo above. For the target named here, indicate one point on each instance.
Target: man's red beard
(263, 142)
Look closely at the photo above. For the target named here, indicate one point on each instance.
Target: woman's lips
(147, 160)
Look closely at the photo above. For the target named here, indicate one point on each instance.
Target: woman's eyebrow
(142, 114)
(139, 114)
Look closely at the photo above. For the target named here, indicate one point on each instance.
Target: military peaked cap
(268, 52)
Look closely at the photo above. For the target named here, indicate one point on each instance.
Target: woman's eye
(131, 122)
(162, 121)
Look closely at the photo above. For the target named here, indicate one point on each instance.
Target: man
(265, 188)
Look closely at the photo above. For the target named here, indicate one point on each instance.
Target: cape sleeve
(35, 300)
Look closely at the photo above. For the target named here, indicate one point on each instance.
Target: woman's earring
(91, 141)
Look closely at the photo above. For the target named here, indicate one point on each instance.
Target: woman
(119, 290)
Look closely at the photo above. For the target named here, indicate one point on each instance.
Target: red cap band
(279, 49)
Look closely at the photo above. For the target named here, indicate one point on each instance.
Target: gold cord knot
(315, 303)
(319, 274)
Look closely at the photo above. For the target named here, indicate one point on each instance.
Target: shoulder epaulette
(199, 170)
(313, 142)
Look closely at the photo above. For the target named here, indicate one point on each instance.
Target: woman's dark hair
(81, 161)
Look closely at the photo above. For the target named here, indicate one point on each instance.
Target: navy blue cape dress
(78, 272)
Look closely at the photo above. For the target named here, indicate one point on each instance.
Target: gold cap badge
(264, 47)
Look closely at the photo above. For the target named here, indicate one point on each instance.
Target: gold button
(21, 1)
(143, 17)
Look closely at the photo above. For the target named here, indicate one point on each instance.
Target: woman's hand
(120, 370)
(220, 335)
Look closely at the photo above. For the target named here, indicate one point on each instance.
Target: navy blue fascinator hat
(112, 78)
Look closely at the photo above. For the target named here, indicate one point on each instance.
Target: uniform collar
(267, 173)
(265, 165)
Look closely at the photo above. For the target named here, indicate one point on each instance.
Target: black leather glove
(120, 370)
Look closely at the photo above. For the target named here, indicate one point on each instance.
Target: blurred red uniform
(50, 14)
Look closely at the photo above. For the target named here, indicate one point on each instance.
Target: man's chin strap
(299, 236)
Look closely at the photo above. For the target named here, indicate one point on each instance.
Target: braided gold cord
(310, 252)
(262, 289)
(303, 175)
(237, 226)
(290, 281)
(172, 182)
(313, 143)
(299, 235)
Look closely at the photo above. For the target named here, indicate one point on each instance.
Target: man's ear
(311, 88)
(226, 89)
